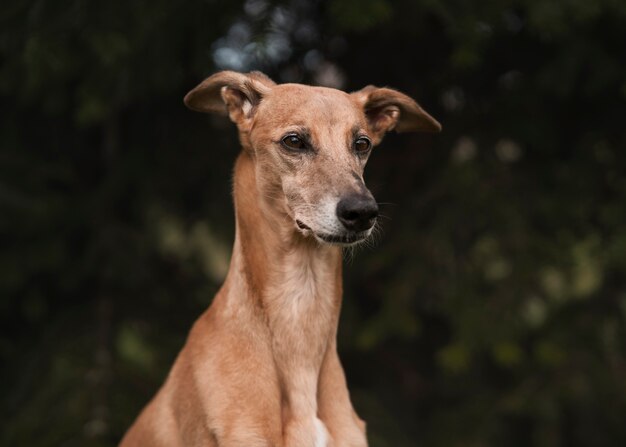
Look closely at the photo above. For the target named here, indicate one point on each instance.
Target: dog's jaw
(345, 239)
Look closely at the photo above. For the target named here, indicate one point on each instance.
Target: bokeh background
(492, 310)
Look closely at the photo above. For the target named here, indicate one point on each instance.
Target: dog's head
(311, 144)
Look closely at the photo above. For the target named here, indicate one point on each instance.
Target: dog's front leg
(302, 427)
(298, 359)
(335, 408)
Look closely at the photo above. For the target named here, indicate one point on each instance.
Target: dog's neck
(269, 249)
(287, 283)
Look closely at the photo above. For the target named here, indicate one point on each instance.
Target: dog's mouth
(334, 239)
(302, 226)
(344, 239)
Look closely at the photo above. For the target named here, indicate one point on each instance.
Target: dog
(260, 366)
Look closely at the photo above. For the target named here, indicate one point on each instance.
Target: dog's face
(311, 144)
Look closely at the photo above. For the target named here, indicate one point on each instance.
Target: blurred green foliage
(492, 310)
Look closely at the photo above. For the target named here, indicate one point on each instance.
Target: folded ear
(229, 92)
(387, 109)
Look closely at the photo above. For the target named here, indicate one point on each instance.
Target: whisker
(348, 254)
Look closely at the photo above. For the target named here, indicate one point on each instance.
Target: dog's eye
(294, 142)
(362, 145)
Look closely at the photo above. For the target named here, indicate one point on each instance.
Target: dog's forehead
(287, 103)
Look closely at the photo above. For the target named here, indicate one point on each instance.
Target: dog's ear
(230, 93)
(387, 109)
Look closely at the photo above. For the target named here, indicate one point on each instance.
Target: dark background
(492, 309)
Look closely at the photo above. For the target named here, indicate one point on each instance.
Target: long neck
(268, 249)
(286, 284)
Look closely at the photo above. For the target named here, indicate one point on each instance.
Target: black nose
(357, 212)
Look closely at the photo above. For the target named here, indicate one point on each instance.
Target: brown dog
(260, 366)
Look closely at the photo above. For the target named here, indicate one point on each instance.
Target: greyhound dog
(260, 366)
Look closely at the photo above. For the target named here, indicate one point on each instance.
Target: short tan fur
(260, 366)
